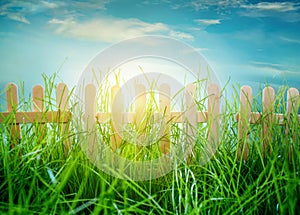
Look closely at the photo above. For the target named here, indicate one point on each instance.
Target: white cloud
(181, 35)
(50, 5)
(110, 29)
(208, 21)
(273, 6)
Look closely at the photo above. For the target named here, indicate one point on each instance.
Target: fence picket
(62, 98)
(12, 106)
(165, 105)
(116, 130)
(268, 114)
(38, 106)
(292, 110)
(214, 114)
(90, 121)
(190, 118)
(243, 122)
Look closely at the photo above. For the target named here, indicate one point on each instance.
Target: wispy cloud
(111, 29)
(273, 6)
(267, 64)
(20, 10)
(273, 69)
(156, 2)
(208, 21)
(91, 4)
(290, 40)
(23, 10)
(17, 17)
(285, 11)
(220, 5)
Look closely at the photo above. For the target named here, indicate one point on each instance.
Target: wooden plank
(62, 98)
(90, 104)
(190, 120)
(38, 106)
(213, 113)
(178, 117)
(175, 117)
(257, 118)
(38, 98)
(164, 106)
(103, 117)
(243, 122)
(90, 122)
(12, 106)
(117, 119)
(292, 110)
(268, 114)
(36, 117)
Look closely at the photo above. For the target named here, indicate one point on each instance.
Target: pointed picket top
(62, 97)
(38, 98)
(12, 96)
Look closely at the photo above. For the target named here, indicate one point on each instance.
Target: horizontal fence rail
(245, 117)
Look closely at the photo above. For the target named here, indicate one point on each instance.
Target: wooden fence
(212, 116)
(38, 117)
(190, 116)
(267, 118)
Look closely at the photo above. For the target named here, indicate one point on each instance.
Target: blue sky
(251, 42)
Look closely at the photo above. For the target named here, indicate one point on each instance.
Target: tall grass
(37, 176)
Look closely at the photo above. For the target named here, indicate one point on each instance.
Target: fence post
(164, 105)
(90, 121)
(38, 106)
(292, 111)
(243, 121)
(62, 97)
(116, 136)
(190, 119)
(213, 114)
(12, 106)
(268, 120)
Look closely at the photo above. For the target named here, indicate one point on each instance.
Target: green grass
(37, 177)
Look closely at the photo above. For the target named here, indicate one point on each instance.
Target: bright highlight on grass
(120, 89)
